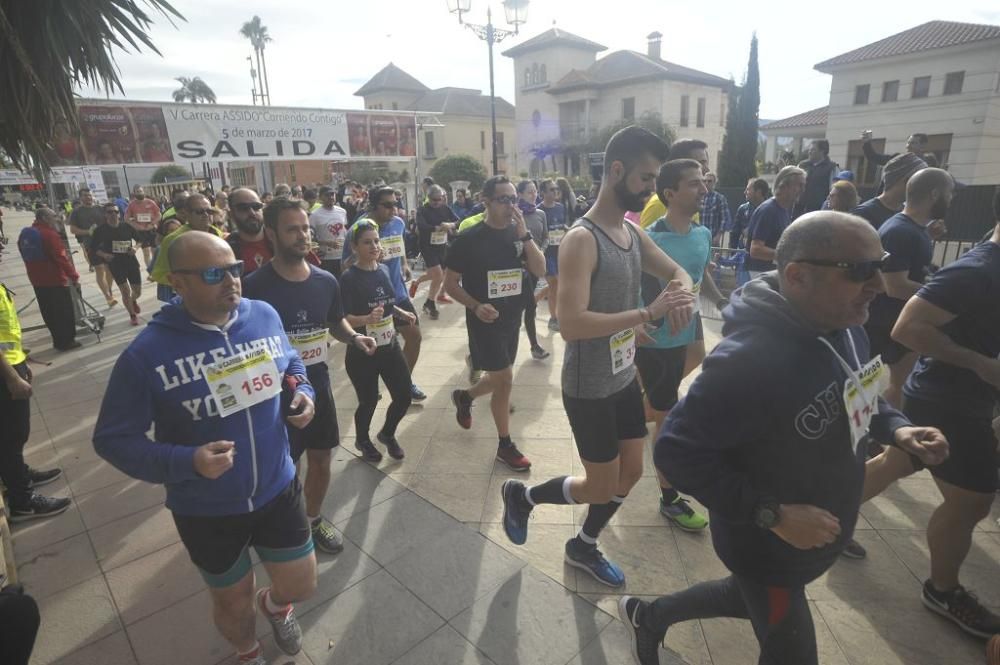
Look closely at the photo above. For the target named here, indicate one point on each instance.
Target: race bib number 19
(383, 332)
(242, 380)
(622, 346)
(504, 283)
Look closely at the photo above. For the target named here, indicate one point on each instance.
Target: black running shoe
(368, 451)
(853, 550)
(645, 646)
(36, 507)
(431, 310)
(516, 511)
(38, 478)
(963, 608)
(391, 445)
(463, 408)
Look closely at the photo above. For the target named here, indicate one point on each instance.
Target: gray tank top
(589, 365)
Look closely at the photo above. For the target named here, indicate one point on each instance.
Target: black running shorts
(599, 425)
(492, 346)
(219, 545)
(433, 254)
(126, 269)
(662, 371)
(322, 432)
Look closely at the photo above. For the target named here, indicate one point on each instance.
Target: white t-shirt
(329, 226)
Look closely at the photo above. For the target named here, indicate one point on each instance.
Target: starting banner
(116, 133)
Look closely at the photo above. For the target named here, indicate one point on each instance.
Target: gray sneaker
(287, 632)
(326, 538)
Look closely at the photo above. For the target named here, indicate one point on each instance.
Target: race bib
(382, 332)
(338, 244)
(311, 345)
(242, 380)
(861, 407)
(121, 246)
(504, 283)
(439, 237)
(556, 236)
(144, 218)
(622, 346)
(392, 247)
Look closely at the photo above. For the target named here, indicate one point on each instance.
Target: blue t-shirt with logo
(394, 227)
(364, 290)
(691, 251)
(767, 224)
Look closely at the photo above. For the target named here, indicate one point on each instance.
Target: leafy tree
(458, 167)
(46, 50)
(169, 171)
(193, 90)
(739, 150)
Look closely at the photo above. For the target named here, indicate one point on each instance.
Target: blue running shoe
(516, 511)
(589, 558)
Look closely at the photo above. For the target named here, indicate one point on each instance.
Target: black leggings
(56, 306)
(780, 616)
(528, 291)
(15, 416)
(364, 371)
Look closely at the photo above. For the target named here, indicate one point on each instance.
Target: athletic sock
(314, 521)
(669, 495)
(246, 656)
(555, 491)
(273, 609)
(598, 516)
(505, 442)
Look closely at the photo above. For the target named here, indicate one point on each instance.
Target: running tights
(530, 307)
(364, 372)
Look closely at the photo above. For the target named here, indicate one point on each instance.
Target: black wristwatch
(767, 513)
(526, 237)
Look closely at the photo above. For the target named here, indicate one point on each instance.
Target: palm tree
(193, 90)
(45, 54)
(256, 32)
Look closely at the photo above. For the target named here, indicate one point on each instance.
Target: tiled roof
(461, 101)
(807, 119)
(626, 66)
(391, 77)
(550, 37)
(930, 35)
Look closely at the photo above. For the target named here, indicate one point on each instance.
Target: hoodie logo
(813, 421)
(302, 316)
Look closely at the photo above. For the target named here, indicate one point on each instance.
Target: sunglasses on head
(244, 207)
(857, 271)
(213, 276)
(505, 199)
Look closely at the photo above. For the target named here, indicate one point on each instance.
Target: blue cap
(844, 175)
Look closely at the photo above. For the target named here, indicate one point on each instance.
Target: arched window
(543, 77)
(534, 73)
(527, 76)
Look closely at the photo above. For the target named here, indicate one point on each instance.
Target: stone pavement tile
(454, 570)
(36, 534)
(546, 513)
(355, 487)
(75, 388)
(181, 633)
(413, 445)
(894, 633)
(398, 527)
(460, 495)
(903, 505)
(980, 571)
(39, 441)
(549, 458)
(58, 566)
(698, 558)
(445, 646)
(119, 500)
(73, 618)
(74, 452)
(273, 654)
(334, 574)
(458, 454)
(374, 622)
(732, 641)
(543, 551)
(89, 475)
(647, 555)
(72, 422)
(685, 643)
(530, 619)
(129, 538)
(111, 650)
(153, 582)
(880, 576)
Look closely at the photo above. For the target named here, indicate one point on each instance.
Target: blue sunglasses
(213, 276)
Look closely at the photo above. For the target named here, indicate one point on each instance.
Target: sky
(324, 51)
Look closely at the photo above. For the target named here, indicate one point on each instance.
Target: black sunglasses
(857, 271)
(213, 276)
(505, 199)
(243, 207)
(391, 205)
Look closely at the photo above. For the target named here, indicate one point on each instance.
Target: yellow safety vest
(10, 329)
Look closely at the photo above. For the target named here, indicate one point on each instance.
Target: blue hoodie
(785, 435)
(158, 380)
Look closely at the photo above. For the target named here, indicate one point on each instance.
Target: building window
(890, 91)
(500, 150)
(482, 140)
(542, 74)
(700, 118)
(534, 74)
(921, 87)
(868, 173)
(939, 145)
(628, 108)
(685, 110)
(428, 144)
(953, 83)
(527, 77)
(861, 93)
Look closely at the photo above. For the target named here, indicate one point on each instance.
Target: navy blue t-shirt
(364, 290)
(911, 250)
(767, 224)
(308, 305)
(874, 211)
(555, 218)
(969, 288)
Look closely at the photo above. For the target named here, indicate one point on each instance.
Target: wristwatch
(526, 237)
(767, 513)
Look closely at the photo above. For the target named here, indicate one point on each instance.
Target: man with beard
(329, 226)
(143, 215)
(248, 243)
(601, 259)
(309, 303)
(905, 237)
(196, 212)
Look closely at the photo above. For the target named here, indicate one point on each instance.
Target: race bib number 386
(242, 380)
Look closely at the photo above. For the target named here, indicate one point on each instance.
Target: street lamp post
(516, 13)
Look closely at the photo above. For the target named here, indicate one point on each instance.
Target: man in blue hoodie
(782, 477)
(208, 373)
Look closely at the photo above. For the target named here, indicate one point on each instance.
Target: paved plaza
(427, 576)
